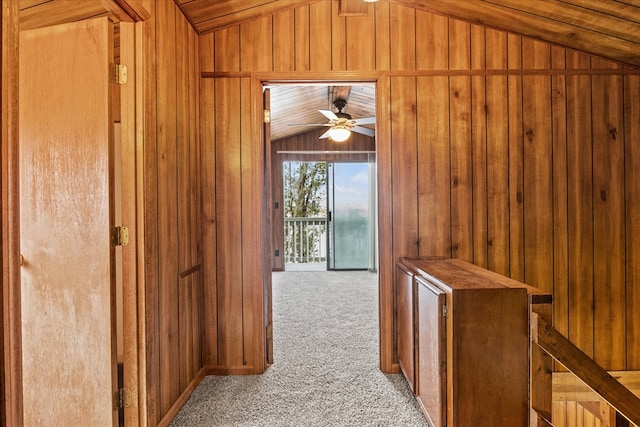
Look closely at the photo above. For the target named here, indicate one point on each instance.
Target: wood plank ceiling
(293, 106)
(606, 28)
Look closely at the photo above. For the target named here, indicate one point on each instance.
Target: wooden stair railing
(582, 366)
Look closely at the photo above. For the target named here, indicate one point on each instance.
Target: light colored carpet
(326, 370)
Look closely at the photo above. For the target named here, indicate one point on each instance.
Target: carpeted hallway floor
(326, 364)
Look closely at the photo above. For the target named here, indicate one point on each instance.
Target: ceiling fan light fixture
(339, 133)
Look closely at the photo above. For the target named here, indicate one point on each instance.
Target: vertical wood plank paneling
(361, 51)
(252, 190)
(229, 223)
(320, 37)
(608, 222)
(632, 215)
(479, 147)
(382, 36)
(461, 145)
(516, 161)
(434, 198)
(386, 260)
(195, 191)
(461, 168)
(580, 205)
(538, 201)
(560, 194)
(572, 414)
(432, 36)
(301, 39)
(284, 42)
(208, 113)
(229, 289)
(226, 49)
(168, 215)
(523, 208)
(183, 200)
(172, 225)
(257, 42)
(403, 37)
(497, 108)
(404, 166)
(151, 210)
(558, 417)
(338, 39)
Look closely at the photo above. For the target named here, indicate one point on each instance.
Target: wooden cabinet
(463, 343)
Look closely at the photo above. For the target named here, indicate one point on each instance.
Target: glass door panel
(348, 207)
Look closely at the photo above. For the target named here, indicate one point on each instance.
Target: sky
(351, 185)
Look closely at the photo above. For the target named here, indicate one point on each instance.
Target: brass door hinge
(120, 236)
(122, 398)
(445, 311)
(270, 332)
(267, 116)
(119, 74)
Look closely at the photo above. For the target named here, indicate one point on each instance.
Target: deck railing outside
(305, 240)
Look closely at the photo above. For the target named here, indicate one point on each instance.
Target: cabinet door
(406, 335)
(431, 352)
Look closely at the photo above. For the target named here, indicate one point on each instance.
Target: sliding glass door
(348, 208)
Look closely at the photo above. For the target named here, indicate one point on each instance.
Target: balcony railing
(305, 240)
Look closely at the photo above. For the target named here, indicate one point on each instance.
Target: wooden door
(65, 219)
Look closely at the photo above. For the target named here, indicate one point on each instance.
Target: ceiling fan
(342, 124)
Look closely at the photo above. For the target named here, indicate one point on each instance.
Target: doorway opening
(335, 178)
(297, 134)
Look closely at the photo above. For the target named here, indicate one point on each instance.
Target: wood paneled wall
(500, 150)
(173, 274)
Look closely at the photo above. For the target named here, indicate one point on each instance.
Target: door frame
(132, 167)
(11, 412)
(386, 283)
(11, 407)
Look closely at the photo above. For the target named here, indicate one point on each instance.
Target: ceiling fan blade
(308, 124)
(366, 121)
(324, 135)
(329, 114)
(364, 130)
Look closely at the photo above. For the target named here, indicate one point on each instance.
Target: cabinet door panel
(405, 325)
(431, 352)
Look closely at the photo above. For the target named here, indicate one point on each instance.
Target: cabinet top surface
(459, 274)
